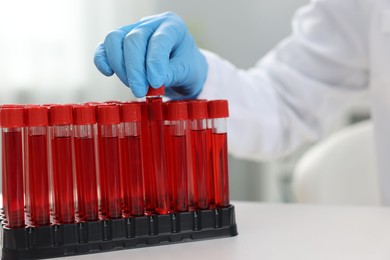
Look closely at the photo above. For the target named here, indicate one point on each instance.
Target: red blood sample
(221, 170)
(147, 164)
(85, 161)
(109, 171)
(12, 166)
(198, 114)
(2, 214)
(37, 165)
(177, 116)
(190, 171)
(218, 111)
(210, 165)
(156, 126)
(199, 154)
(61, 160)
(169, 163)
(180, 195)
(132, 175)
(131, 160)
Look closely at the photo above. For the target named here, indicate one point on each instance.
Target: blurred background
(46, 56)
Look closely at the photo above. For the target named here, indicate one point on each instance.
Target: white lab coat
(338, 50)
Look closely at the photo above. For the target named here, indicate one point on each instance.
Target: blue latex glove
(157, 50)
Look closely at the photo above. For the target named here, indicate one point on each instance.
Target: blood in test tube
(190, 170)
(2, 214)
(131, 160)
(177, 115)
(198, 115)
(84, 120)
(60, 120)
(108, 119)
(3, 187)
(12, 122)
(37, 173)
(168, 157)
(210, 164)
(218, 112)
(147, 164)
(156, 127)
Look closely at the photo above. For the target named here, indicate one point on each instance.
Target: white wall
(241, 31)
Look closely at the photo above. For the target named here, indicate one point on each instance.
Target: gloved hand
(157, 50)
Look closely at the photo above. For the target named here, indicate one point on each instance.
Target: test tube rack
(181, 201)
(115, 234)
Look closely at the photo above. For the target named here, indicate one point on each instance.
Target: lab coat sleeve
(292, 94)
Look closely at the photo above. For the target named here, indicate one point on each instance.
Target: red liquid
(12, 166)
(38, 180)
(180, 188)
(147, 165)
(221, 170)
(169, 164)
(63, 180)
(199, 163)
(158, 153)
(3, 186)
(191, 186)
(109, 178)
(131, 176)
(210, 167)
(86, 179)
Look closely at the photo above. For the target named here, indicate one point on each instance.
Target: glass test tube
(147, 165)
(210, 164)
(218, 112)
(2, 213)
(177, 115)
(108, 119)
(3, 187)
(198, 114)
(131, 160)
(12, 122)
(37, 172)
(85, 161)
(168, 157)
(156, 127)
(60, 118)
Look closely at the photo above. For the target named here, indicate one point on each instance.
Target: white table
(284, 231)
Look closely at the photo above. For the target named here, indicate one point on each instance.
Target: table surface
(284, 231)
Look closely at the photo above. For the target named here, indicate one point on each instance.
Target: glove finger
(134, 50)
(114, 50)
(161, 44)
(101, 62)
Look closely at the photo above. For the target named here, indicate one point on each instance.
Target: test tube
(156, 126)
(210, 163)
(12, 122)
(147, 165)
(2, 214)
(60, 119)
(108, 119)
(37, 172)
(85, 162)
(131, 160)
(177, 115)
(198, 115)
(168, 157)
(218, 112)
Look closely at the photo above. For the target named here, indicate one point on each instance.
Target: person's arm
(295, 91)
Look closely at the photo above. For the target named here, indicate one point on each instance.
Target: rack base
(108, 235)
